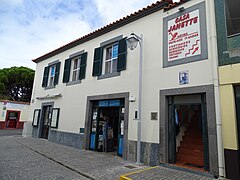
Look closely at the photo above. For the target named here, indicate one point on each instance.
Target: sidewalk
(160, 173)
(29, 156)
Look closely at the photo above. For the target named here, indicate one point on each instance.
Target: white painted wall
(155, 77)
(23, 108)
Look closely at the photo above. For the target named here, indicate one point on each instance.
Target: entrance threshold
(191, 169)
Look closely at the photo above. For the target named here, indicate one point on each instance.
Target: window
(232, 16)
(75, 68)
(110, 59)
(51, 75)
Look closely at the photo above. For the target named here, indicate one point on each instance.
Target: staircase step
(190, 159)
(193, 135)
(192, 141)
(191, 146)
(191, 152)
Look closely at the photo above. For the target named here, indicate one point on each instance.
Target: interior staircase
(190, 151)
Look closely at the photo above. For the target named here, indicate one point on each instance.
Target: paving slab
(32, 158)
(160, 173)
(19, 163)
(10, 132)
(92, 165)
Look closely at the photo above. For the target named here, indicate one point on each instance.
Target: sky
(32, 28)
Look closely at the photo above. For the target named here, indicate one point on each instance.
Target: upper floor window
(232, 16)
(51, 75)
(75, 68)
(110, 58)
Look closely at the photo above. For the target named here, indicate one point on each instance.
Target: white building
(13, 114)
(89, 88)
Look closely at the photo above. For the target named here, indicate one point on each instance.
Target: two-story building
(86, 93)
(228, 36)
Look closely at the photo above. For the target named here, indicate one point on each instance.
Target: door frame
(40, 127)
(202, 106)
(118, 108)
(7, 115)
(208, 91)
(88, 120)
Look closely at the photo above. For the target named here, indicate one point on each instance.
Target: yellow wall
(228, 76)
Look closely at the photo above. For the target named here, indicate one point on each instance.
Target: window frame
(57, 118)
(51, 76)
(105, 61)
(49, 80)
(72, 70)
(35, 121)
(226, 22)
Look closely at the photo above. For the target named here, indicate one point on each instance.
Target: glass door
(120, 131)
(94, 128)
(46, 121)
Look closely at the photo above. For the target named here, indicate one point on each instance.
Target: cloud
(115, 9)
(31, 28)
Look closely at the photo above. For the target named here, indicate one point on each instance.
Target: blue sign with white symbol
(183, 77)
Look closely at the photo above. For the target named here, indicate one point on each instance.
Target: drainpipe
(213, 54)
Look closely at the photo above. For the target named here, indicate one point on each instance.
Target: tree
(16, 83)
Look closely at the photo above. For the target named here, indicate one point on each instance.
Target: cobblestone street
(30, 158)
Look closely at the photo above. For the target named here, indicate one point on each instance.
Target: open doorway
(12, 119)
(107, 127)
(188, 138)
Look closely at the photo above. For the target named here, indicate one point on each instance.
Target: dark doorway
(12, 118)
(107, 128)
(188, 139)
(46, 116)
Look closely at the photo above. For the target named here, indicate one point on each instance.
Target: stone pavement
(160, 173)
(10, 132)
(31, 158)
(25, 158)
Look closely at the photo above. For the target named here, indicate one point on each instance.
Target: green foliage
(16, 83)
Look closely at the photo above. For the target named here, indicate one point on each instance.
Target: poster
(55, 115)
(184, 36)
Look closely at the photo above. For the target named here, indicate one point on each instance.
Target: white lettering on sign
(184, 36)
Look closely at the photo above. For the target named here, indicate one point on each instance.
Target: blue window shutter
(45, 76)
(83, 65)
(97, 62)
(122, 55)
(66, 73)
(57, 72)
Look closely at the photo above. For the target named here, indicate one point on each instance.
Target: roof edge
(154, 7)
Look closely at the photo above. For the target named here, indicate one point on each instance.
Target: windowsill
(50, 87)
(73, 82)
(233, 35)
(105, 76)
